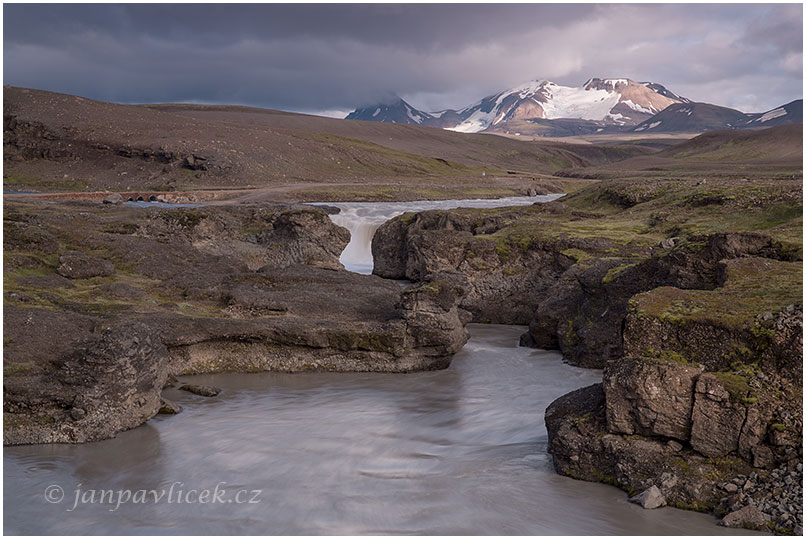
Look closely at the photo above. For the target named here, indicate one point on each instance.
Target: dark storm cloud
(335, 57)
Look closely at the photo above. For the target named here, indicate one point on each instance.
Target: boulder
(651, 498)
(169, 407)
(77, 265)
(432, 318)
(113, 198)
(748, 516)
(106, 384)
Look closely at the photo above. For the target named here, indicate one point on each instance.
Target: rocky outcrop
(193, 291)
(583, 448)
(498, 270)
(258, 236)
(650, 397)
(573, 291)
(104, 385)
(681, 404)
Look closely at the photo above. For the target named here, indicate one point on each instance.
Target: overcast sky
(333, 58)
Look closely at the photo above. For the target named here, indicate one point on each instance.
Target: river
(457, 451)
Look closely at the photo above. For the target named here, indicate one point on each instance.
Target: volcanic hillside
(62, 142)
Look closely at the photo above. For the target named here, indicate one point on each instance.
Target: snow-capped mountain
(543, 108)
(618, 102)
(395, 112)
(614, 102)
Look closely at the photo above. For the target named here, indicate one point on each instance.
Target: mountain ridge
(544, 108)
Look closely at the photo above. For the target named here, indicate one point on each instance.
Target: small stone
(169, 407)
(748, 485)
(748, 516)
(674, 445)
(651, 498)
(170, 382)
(204, 391)
(730, 487)
(667, 480)
(78, 413)
(668, 243)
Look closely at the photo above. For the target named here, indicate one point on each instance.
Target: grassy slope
(767, 153)
(631, 213)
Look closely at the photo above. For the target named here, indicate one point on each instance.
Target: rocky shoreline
(688, 297)
(694, 314)
(102, 305)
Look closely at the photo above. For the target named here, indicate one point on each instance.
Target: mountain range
(544, 108)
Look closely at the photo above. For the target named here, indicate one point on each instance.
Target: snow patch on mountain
(638, 108)
(771, 115)
(567, 102)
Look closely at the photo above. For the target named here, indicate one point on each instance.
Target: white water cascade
(362, 219)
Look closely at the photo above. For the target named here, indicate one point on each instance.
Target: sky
(330, 59)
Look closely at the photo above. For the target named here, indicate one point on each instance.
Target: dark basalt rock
(203, 391)
(169, 407)
(104, 385)
(240, 289)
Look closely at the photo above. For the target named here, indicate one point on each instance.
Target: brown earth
(57, 142)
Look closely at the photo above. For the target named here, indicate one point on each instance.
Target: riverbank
(455, 451)
(600, 275)
(104, 303)
(688, 295)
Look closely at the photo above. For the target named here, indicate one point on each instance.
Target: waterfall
(362, 219)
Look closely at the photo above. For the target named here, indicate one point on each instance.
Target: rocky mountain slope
(792, 112)
(543, 108)
(606, 101)
(395, 112)
(693, 118)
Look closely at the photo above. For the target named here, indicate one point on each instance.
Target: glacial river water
(362, 219)
(457, 451)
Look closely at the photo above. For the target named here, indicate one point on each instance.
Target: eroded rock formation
(151, 293)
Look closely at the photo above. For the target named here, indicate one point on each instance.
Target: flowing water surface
(362, 219)
(457, 451)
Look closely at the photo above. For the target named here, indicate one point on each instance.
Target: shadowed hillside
(57, 142)
(776, 144)
(766, 153)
